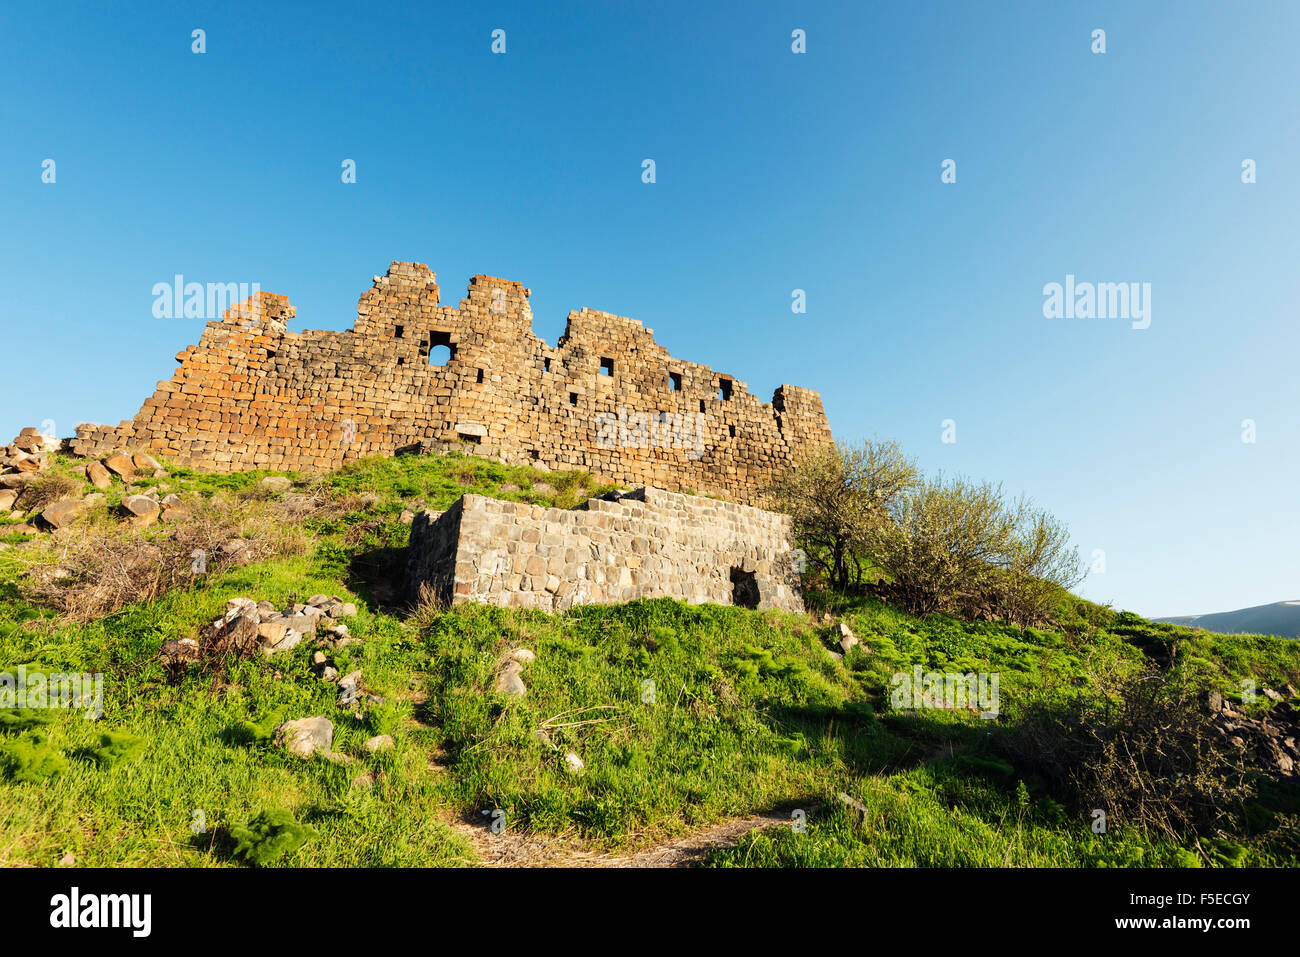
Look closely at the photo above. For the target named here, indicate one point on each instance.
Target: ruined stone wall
(648, 543)
(606, 398)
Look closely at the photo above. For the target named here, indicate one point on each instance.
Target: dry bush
(1139, 747)
(47, 490)
(315, 501)
(109, 570)
(964, 548)
(428, 606)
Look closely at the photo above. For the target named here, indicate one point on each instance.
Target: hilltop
(641, 726)
(1281, 619)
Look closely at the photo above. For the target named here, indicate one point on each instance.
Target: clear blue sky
(775, 171)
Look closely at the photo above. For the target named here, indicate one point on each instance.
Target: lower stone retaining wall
(648, 543)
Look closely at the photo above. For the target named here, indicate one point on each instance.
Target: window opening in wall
(441, 349)
(732, 430)
(397, 332)
(573, 398)
(480, 375)
(724, 389)
(546, 365)
(675, 381)
(606, 366)
(701, 405)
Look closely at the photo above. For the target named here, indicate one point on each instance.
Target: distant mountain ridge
(1282, 618)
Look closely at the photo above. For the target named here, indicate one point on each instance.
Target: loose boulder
(64, 512)
(121, 465)
(509, 680)
(99, 476)
(305, 736)
(141, 510)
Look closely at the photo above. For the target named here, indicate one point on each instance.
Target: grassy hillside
(678, 716)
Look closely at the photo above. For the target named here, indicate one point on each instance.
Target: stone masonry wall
(606, 398)
(648, 543)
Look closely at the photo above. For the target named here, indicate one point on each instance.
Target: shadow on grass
(376, 574)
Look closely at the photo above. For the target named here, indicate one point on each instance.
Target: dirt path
(536, 850)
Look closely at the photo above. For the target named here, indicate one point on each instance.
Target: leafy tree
(837, 495)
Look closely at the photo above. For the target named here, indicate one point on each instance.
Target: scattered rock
(237, 628)
(99, 476)
(523, 656)
(574, 762)
(1269, 739)
(236, 551)
(306, 736)
(7, 498)
(277, 483)
(349, 688)
(847, 638)
(271, 631)
(509, 680)
(63, 512)
(407, 516)
(179, 652)
(380, 742)
(306, 624)
(276, 636)
(147, 463)
(142, 511)
(291, 639)
(119, 463)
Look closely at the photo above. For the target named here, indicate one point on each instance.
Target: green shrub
(269, 836)
(115, 747)
(31, 757)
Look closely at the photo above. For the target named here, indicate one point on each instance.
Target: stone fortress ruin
(647, 543)
(413, 374)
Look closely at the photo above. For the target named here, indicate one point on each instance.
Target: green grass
(682, 715)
